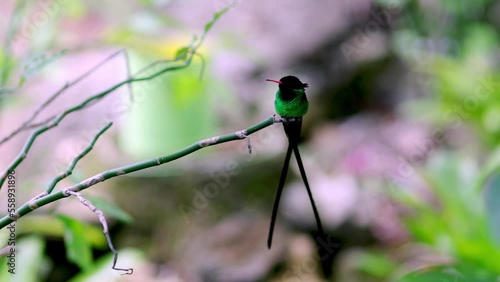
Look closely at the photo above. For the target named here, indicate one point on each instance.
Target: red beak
(272, 80)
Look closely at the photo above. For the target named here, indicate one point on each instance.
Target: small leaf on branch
(181, 53)
(217, 15)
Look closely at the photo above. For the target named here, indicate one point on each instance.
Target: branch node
(242, 134)
(15, 216)
(249, 145)
(208, 141)
(66, 192)
(92, 181)
(32, 203)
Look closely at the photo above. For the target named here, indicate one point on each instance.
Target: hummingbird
(291, 104)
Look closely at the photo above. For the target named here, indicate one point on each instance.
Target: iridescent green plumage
(295, 107)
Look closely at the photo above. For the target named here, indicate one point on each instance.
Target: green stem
(44, 200)
(53, 123)
(28, 123)
(73, 163)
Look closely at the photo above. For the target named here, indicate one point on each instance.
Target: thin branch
(103, 176)
(129, 76)
(190, 48)
(27, 123)
(190, 53)
(105, 229)
(73, 163)
(88, 102)
(38, 124)
(203, 64)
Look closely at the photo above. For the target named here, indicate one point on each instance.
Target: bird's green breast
(295, 106)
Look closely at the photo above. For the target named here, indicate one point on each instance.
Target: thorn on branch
(105, 230)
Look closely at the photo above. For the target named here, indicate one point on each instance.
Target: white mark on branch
(242, 134)
(92, 181)
(208, 141)
(33, 204)
(15, 216)
(277, 119)
(66, 192)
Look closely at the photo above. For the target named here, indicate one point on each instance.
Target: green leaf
(492, 200)
(434, 276)
(50, 226)
(78, 249)
(217, 15)
(182, 52)
(456, 273)
(109, 209)
(375, 264)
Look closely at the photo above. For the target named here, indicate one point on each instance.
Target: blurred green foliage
(451, 48)
(456, 222)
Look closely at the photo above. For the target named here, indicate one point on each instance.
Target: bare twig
(105, 229)
(72, 165)
(27, 124)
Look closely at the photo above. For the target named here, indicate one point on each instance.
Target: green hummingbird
(291, 104)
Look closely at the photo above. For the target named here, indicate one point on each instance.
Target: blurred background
(401, 143)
